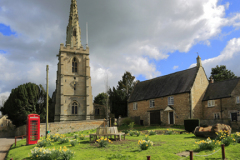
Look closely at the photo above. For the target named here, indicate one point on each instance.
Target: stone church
(73, 84)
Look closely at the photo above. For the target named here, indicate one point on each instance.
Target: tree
(26, 99)
(118, 96)
(220, 73)
(101, 98)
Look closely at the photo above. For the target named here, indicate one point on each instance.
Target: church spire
(73, 30)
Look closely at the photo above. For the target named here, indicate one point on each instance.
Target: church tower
(73, 85)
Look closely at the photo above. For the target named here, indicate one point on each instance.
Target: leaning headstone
(210, 131)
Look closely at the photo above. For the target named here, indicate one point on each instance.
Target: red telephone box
(33, 128)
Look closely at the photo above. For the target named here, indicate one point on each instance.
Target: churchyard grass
(164, 147)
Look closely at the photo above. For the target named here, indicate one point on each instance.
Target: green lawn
(164, 147)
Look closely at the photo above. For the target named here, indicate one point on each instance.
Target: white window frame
(171, 100)
(211, 103)
(151, 103)
(216, 115)
(135, 106)
(237, 100)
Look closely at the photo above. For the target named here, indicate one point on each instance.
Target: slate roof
(175, 83)
(221, 89)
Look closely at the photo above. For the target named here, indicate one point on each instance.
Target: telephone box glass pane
(33, 130)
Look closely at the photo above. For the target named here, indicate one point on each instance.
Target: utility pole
(47, 104)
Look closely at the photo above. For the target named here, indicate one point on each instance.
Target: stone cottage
(183, 95)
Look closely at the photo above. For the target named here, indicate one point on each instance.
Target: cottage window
(74, 65)
(74, 108)
(211, 103)
(237, 99)
(152, 103)
(216, 116)
(135, 106)
(170, 101)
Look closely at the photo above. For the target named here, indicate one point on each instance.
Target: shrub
(127, 121)
(144, 145)
(151, 132)
(67, 154)
(45, 154)
(63, 140)
(169, 132)
(208, 144)
(131, 133)
(137, 133)
(146, 138)
(227, 141)
(221, 135)
(73, 142)
(56, 137)
(75, 136)
(44, 142)
(237, 137)
(125, 131)
(103, 142)
(131, 125)
(191, 124)
(82, 137)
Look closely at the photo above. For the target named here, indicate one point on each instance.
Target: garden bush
(137, 133)
(131, 125)
(82, 137)
(44, 142)
(151, 132)
(146, 138)
(208, 144)
(103, 142)
(144, 145)
(63, 140)
(127, 121)
(75, 136)
(73, 142)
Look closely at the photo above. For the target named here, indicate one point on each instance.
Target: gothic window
(74, 108)
(74, 65)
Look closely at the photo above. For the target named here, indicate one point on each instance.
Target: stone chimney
(199, 62)
(211, 80)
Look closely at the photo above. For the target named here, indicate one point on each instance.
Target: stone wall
(197, 93)
(181, 109)
(64, 127)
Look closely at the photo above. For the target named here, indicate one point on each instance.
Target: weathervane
(197, 53)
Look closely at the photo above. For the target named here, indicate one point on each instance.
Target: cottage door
(234, 116)
(171, 117)
(155, 117)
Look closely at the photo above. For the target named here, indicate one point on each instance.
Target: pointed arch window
(74, 65)
(74, 108)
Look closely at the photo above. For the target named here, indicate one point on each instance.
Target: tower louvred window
(74, 33)
(74, 65)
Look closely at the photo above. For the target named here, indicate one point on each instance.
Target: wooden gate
(155, 117)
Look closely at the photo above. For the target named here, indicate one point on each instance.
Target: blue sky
(148, 38)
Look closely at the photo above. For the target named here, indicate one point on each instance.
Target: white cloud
(153, 52)
(229, 57)
(123, 36)
(175, 67)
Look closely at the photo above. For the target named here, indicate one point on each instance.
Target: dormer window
(74, 65)
(211, 103)
(152, 103)
(170, 101)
